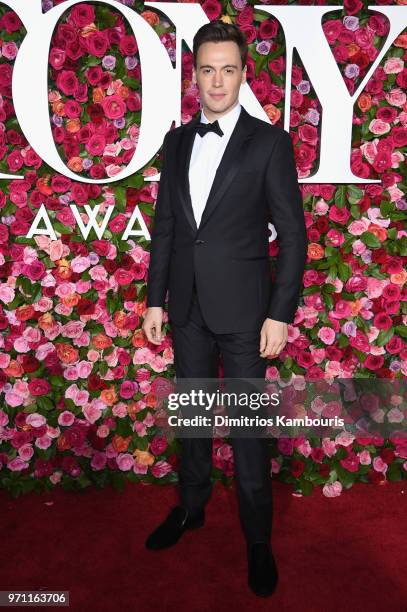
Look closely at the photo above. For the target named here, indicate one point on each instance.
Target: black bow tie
(204, 128)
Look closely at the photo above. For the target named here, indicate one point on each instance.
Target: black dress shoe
(169, 532)
(262, 569)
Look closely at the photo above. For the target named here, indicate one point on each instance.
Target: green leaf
(340, 196)
(384, 336)
(370, 240)
(306, 486)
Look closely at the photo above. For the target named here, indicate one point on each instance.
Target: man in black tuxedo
(225, 175)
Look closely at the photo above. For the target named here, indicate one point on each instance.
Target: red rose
(128, 45)
(79, 193)
(245, 17)
(268, 28)
(39, 386)
(114, 107)
(297, 467)
(387, 454)
(353, 6)
(10, 22)
(96, 145)
(97, 171)
(67, 82)
(82, 15)
(94, 74)
(57, 58)
(400, 136)
(98, 43)
(30, 363)
(85, 307)
(212, 9)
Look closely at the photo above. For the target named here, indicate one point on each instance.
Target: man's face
(219, 75)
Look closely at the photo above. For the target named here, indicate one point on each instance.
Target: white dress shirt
(206, 155)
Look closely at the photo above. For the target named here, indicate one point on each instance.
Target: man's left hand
(273, 338)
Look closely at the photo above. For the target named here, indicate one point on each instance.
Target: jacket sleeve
(287, 215)
(161, 239)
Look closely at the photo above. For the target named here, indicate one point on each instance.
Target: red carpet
(333, 554)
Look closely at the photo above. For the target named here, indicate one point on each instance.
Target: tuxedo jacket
(256, 182)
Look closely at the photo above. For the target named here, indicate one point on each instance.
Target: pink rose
(113, 107)
(125, 461)
(66, 418)
(327, 335)
(332, 490)
(161, 468)
(379, 127)
(393, 65)
(379, 465)
(36, 420)
(26, 452)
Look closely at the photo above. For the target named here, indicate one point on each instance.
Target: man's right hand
(152, 324)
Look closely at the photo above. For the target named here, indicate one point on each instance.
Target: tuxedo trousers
(196, 355)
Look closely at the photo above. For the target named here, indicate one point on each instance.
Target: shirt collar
(226, 122)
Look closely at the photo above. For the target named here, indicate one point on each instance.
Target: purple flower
(401, 204)
(263, 47)
(131, 62)
(304, 87)
(47, 5)
(352, 71)
(312, 116)
(119, 123)
(351, 22)
(349, 329)
(109, 62)
(87, 163)
(395, 366)
(57, 120)
(239, 4)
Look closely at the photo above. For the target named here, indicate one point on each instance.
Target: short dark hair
(218, 31)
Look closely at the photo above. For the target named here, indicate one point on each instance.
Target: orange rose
(101, 341)
(66, 353)
(143, 457)
(120, 319)
(272, 112)
(139, 340)
(123, 92)
(42, 185)
(109, 396)
(399, 278)
(87, 30)
(315, 251)
(58, 107)
(401, 41)
(73, 126)
(352, 49)
(378, 231)
(46, 321)
(71, 300)
(356, 307)
(75, 164)
(98, 95)
(120, 444)
(364, 102)
(25, 312)
(62, 443)
(151, 18)
(64, 268)
(14, 369)
(151, 400)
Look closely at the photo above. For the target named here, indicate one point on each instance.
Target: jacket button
(199, 241)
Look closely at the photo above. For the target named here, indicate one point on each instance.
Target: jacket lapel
(227, 169)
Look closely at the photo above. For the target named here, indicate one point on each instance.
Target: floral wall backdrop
(78, 381)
